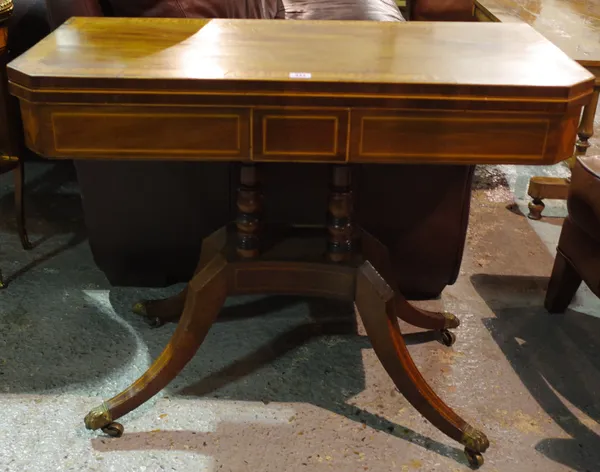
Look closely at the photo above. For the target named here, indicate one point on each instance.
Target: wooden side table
(557, 188)
(9, 160)
(335, 95)
(569, 28)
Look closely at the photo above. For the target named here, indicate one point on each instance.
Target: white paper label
(300, 75)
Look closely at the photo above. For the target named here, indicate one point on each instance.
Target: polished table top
(301, 91)
(572, 25)
(107, 52)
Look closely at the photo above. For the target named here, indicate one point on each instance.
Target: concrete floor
(264, 393)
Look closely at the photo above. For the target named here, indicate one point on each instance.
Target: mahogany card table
(337, 93)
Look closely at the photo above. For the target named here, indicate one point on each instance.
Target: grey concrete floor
(264, 393)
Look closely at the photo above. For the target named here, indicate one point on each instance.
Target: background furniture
(440, 10)
(12, 149)
(574, 27)
(125, 202)
(372, 10)
(456, 102)
(578, 253)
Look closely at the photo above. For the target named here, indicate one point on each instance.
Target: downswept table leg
(206, 295)
(378, 255)
(376, 303)
(169, 310)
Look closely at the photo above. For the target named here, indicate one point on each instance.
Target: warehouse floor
(264, 393)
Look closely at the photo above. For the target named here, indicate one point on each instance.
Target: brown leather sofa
(146, 220)
(578, 253)
(440, 10)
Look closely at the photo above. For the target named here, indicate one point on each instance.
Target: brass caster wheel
(475, 458)
(114, 430)
(155, 323)
(447, 338)
(140, 309)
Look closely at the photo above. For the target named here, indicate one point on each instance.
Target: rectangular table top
(300, 91)
(572, 25)
(408, 58)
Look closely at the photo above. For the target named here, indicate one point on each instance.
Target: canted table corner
(570, 26)
(433, 93)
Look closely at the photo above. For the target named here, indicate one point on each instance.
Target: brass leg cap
(474, 440)
(98, 418)
(452, 320)
(140, 309)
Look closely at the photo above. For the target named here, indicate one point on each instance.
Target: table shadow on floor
(553, 354)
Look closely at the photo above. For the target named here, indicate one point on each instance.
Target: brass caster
(447, 338)
(98, 418)
(155, 323)
(475, 458)
(452, 320)
(114, 430)
(140, 309)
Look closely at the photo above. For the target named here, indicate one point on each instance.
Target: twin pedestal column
(339, 223)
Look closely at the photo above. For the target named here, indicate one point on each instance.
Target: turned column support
(339, 217)
(586, 126)
(249, 204)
